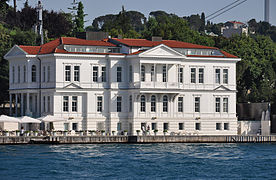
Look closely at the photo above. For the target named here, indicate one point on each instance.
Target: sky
(94, 8)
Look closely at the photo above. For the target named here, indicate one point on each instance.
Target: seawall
(13, 140)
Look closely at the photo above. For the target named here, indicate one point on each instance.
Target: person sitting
(22, 131)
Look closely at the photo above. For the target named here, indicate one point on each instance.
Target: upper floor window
(74, 103)
(19, 74)
(49, 104)
(197, 104)
(225, 76)
(193, 75)
(119, 74)
(44, 103)
(152, 73)
(33, 73)
(119, 104)
(180, 75)
(225, 104)
(143, 103)
(164, 73)
(130, 103)
(130, 74)
(201, 75)
(180, 104)
(95, 73)
(153, 103)
(99, 104)
(103, 74)
(217, 104)
(76, 73)
(24, 75)
(143, 73)
(44, 73)
(67, 73)
(65, 103)
(217, 76)
(165, 103)
(49, 73)
(13, 75)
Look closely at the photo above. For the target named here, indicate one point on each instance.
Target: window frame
(197, 104)
(119, 103)
(193, 75)
(119, 74)
(201, 75)
(143, 73)
(99, 103)
(77, 73)
(153, 103)
(143, 103)
(95, 74)
(103, 73)
(34, 72)
(67, 73)
(65, 104)
(180, 102)
(164, 73)
(165, 101)
(74, 103)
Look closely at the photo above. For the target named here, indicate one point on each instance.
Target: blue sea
(139, 161)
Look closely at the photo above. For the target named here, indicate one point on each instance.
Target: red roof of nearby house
(235, 22)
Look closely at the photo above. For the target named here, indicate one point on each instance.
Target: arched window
(165, 103)
(143, 73)
(33, 73)
(143, 103)
(153, 103)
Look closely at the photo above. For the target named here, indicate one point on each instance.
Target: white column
(10, 104)
(22, 104)
(28, 104)
(16, 104)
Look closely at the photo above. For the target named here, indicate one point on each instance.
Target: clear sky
(94, 8)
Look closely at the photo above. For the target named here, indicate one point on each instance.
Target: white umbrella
(4, 118)
(26, 119)
(49, 118)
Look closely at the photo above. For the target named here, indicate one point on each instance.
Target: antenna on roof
(39, 9)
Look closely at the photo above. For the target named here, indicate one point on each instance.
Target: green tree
(79, 20)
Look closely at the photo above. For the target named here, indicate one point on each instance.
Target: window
(44, 74)
(99, 104)
(95, 73)
(164, 73)
(13, 75)
(217, 104)
(143, 73)
(153, 126)
(24, 75)
(130, 103)
(74, 103)
(153, 103)
(119, 104)
(152, 72)
(180, 75)
(181, 126)
(65, 103)
(225, 76)
(103, 74)
(49, 73)
(218, 76)
(225, 104)
(130, 74)
(180, 104)
(193, 75)
(49, 104)
(218, 126)
(18, 74)
(119, 74)
(165, 103)
(143, 103)
(66, 126)
(44, 103)
(200, 75)
(197, 104)
(67, 73)
(166, 126)
(226, 126)
(33, 73)
(119, 126)
(197, 126)
(75, 126)
(76, 73)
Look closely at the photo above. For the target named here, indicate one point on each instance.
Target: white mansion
(126, 84)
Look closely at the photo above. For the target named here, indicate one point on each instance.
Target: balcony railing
(168, 85)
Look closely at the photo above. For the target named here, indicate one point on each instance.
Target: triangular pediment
(161, 51)
(221, 88)
(15, 51)
(72, 86)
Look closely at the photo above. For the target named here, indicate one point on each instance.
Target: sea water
(139, 161)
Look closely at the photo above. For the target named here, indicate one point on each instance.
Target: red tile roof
(228, 55)
(83, 42)
(235, 22)
(30, 49)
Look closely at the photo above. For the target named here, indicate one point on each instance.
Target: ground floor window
(75, 126)
(198, 126)
(153, 126)
(218, 126)
(166, 126)
(66, 126)
(119, 126)
(226, 126)
(181, 126)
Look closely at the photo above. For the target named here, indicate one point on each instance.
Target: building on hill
(232, 28)
(126, 84)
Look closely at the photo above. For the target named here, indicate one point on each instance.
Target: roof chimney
(156, 38)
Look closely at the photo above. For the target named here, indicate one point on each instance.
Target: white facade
(158, 88)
